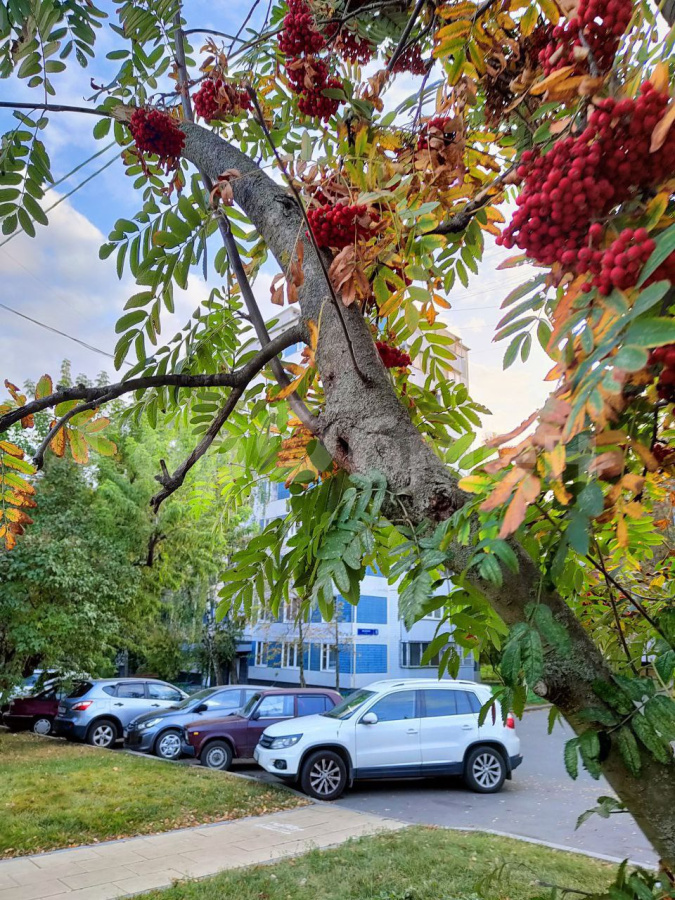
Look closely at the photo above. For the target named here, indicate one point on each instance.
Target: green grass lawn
(415, 864)
(57, 794)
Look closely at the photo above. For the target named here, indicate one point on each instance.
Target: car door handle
(118, 704)
(467, 727)
(413, 731)
(154, 704)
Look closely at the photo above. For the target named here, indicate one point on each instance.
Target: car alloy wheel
(325, 776)
(103, 735)
(43, 726)
(168, 746)
(487, 770)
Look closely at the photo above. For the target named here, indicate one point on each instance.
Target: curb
(563, 848)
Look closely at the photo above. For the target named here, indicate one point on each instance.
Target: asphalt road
(541, 801)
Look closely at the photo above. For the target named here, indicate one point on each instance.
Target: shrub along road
(541, 802)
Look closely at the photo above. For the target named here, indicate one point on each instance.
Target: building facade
(364, 643)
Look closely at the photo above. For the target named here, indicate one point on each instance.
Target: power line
(56, 331)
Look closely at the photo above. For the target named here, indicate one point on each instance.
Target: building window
(290, 656)
(261, 653)
(328, 657)
(412, 653)
(435, 614)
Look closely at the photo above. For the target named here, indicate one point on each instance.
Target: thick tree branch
(94, 396)
(410, 24)
(457, 223)
(171, 483)
(39, 457)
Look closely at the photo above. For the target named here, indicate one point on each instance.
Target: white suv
(395, 729)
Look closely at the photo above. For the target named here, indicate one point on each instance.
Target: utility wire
(56, 331)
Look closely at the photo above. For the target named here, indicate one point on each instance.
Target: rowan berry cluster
(308, 76)
(392, 357)
(664, 359)
(595, 32)
(435, 130)
(300, 35)
(158, 133)
(216, 99)
(664, 453)
(411, 61)
(353, 47)
(581, 180)
(340, 225)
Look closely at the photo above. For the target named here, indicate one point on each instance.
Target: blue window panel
(345, 610)
(315, 657)
(372, 610)
(371, 658)
(316, 615)
(373, 570)
(346, 654)
(283, 493)
(274, 654)
(251, 656)
(305, 656)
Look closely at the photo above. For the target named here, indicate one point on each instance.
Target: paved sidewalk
(120, 868)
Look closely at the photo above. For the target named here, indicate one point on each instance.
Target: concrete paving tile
(148, 882)
(63, 857)
(96, 892)
(14, 867)
(48, 887)
(97, 876)
(35, 875)
(108, 859)
(6, 880)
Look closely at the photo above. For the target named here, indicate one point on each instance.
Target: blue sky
(58, 278)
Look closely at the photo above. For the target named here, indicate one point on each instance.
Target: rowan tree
(545, 125)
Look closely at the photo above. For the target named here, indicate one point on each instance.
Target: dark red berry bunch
(436, 133)
(340, 225)
(411, 61)
(216, 99)
(300, 35)
(351, 46)
(314, 103)
(664, 359)
(157, 133)
(664, 453)
(392, 357)
(595, 30)
(582, 179)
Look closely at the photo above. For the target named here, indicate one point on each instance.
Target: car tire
(324, 775)
(102, 733)
(167, 745)
(485, 770)
(217, 755)
(43, 725)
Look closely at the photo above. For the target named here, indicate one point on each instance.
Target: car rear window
(311, 705)
(80, 689)
(467, 702)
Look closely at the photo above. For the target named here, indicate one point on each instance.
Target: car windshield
(250, 706)
(349, 705)
(194, 699)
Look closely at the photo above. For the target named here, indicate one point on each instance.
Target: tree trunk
(366, 428)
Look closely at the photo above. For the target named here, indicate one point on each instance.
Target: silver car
(98, 711)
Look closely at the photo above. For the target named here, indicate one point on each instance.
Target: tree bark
(366, 428)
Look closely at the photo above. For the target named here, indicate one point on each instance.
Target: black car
(160, 732)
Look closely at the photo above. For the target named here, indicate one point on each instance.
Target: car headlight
(288, 740)
(150, 723)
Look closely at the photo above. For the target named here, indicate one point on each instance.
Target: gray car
(98, 711)
(160, 732)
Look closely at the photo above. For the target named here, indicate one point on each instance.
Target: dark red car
(36, 713)
(218, 741)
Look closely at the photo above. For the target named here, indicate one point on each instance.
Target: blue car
(160, 732)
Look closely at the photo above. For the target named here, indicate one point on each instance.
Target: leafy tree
(562, 107)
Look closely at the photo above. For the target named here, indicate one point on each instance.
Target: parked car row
(310, 736)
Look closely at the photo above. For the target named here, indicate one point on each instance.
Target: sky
(58, 279)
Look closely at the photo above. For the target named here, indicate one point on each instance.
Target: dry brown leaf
(660, 133)
(527, 493)
(607, 465)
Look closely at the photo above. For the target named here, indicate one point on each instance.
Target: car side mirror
(255, 715)
(370, 718)
(201, 708)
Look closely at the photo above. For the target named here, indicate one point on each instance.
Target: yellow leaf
(290, 388)
(634, 509)
(313, 334)
(477, 57)
(493, 215)
(659, 77)
(529, 20)
(294, 368)
(562, 495)
(550, 10)
(44, 387)
(392, 304)
(474, 484)
(455, 10)
(455, 30)
(11, 449)
(622, 532)
(555, 78)
(646, 455)
(556, 460)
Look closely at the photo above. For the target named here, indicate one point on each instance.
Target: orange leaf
(659, 77)
(78, 445)
(58, 442)
(645, 455)
(11, 449)
(503, 438)
(290, 388)
(555, 78)
(527, 493)
(502, 491)
(660, 132)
